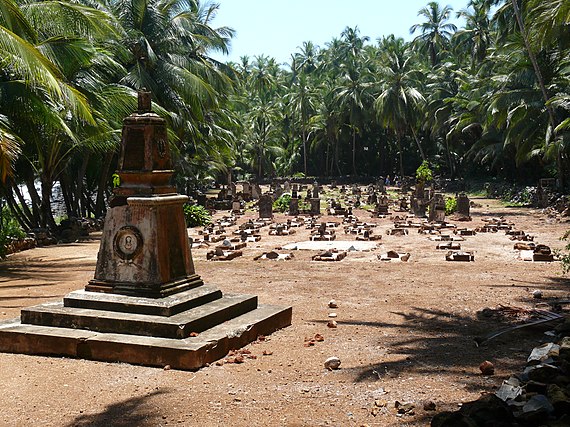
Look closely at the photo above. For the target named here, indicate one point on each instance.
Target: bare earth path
(405, 333)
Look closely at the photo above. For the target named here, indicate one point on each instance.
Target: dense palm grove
(491, 99)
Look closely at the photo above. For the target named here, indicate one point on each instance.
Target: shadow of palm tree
(443, 343)
(130, 412)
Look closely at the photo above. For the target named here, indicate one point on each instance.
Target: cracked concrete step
(178, 326)
(189, 353)
(166, 306)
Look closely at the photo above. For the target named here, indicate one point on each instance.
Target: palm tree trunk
(304, 151)
(400, 154)
(36, 201)
(534, 62)
(45, 207)
(79, 186)
(354, 151)
(539, 78)
(421, 150)
(100, 201)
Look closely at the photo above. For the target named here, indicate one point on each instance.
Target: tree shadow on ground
(41, 270)
(435, 342)
(131, 412)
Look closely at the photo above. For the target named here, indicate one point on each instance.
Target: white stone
(332, 363)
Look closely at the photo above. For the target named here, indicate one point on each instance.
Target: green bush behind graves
(196, 215)
(282, 203)
(450, 205)
(10, 230)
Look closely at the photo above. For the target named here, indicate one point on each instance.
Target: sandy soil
(405, 333)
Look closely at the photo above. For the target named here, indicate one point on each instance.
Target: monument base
(148, 290)
(186, 330)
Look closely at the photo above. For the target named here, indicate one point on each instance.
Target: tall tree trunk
(47, 219)
(449, 159)
(401, 156)
(420, 149)
(337, 157)
(103, 183)
(538, 75)
(67, 197)
(22, 214)
(327, 158)
(354, 151)
(304, 136)
(35, 198)
(79, 185)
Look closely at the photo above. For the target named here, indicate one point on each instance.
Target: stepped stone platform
(146, 304)
(186, 330)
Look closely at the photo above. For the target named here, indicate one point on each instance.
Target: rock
(537, 294)
(272, 255)
(429, 406)
(487, 368)
(564, 351)
(452, 419)
(333, 304)
(488, 410)
(535, 410)
(332, 363)
(542, 373)
(332, 315)
(332, 324)
(405, 408)
(541, 353)
(509, 390)
(559, 398)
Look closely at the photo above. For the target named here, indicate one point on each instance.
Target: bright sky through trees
(277, 27)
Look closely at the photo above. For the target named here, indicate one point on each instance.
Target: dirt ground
(405, 333)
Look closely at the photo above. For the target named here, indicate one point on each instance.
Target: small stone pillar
(437, 208)
(463, 206)
(265, 206)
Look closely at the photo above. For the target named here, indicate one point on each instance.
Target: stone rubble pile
(539, 396)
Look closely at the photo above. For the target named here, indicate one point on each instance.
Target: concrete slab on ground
(340, 245)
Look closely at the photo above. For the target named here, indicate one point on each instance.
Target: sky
(277, 28)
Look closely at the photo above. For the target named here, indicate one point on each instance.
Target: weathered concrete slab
(180, 325)
(166, 306)
(340, 245)
(189, 353)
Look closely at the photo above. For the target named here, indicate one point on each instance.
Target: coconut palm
(400, 102)
(435, 31)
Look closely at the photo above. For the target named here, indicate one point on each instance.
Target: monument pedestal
(145, 304)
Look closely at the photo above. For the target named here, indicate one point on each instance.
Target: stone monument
(463, 206)
(265, 206)
(146, 304)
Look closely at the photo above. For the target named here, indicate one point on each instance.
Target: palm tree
(476, 36)
(400, 102)
(435, 31)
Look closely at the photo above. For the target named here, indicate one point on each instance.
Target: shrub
(282, 203)
(450, 205)
(9, 230)
(424, 173)
(196, 215)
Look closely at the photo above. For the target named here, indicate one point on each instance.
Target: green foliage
(450, 205)
(282, 203)
(298, 175)
(10, 230)
(116, 180)
(196, 215)
(424, 173)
